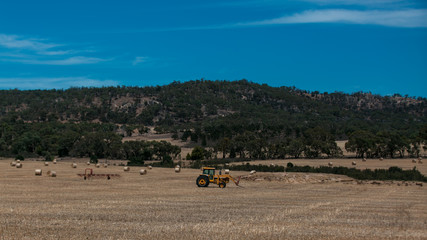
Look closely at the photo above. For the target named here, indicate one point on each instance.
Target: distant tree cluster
(78, 140)
(386, 144)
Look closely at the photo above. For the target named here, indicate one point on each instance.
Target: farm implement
(208, 176)
(89, 174)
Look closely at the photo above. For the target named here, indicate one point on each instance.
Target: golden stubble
(166, 205)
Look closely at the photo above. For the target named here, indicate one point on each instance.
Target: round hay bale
(46, 163)
(53, 174)
(364, 159)
(142, 172)
(353, 163)
(18, 165)
(419, 158)
(13, 164)
(98, 165)
(126, 169)
(74, 165)
(38, 172)
(88, 163)
(420, 161)
(54, 161)
(177, 166)
(150, 167)
(177, 169)
(414, 160)
(105, 165)
(18, 161)
(381, 159)
(330, 164)
(252, 172)
(227, 171)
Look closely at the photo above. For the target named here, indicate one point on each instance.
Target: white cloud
(68, 61)
(50, 83)
(17, 42)
(37, 51)
(397, 18)
(355, 2)
(139, 60)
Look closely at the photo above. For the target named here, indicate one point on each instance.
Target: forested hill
(209, 111)
(206, 103)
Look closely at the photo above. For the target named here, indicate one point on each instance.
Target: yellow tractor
(208, 176)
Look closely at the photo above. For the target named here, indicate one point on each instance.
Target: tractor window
(209, 171)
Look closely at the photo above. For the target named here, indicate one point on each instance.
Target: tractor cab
(210, 172)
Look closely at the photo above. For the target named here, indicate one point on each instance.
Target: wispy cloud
(17, 42)
(39, 51)
(139, 60)
(67, 61)
(357, 2)
(410, 18)
(50, 83)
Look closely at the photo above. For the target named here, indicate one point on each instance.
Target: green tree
(362, 143)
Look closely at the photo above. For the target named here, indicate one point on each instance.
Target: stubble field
(168, 205)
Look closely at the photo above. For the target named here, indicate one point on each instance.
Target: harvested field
(165, 205)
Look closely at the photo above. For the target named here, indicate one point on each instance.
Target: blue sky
(377, 46)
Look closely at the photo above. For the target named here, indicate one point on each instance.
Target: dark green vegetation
(236, 119)
(80, 140)
(393, 173)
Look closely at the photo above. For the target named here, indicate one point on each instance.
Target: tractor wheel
(222, 184)
(202, 181)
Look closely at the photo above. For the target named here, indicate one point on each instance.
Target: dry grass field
(168, 205)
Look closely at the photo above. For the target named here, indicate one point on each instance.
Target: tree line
(79, 140)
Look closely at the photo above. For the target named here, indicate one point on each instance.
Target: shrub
(93, 159)
(393, 173)
(136, 161)
(48, 157)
